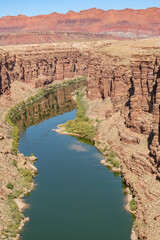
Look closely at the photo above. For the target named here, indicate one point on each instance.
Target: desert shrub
(15, 137)
(104, 149)
(112, 154)
(116, 163)
(15, 194)
(132, 205)
(26, 173)
(10, 186)
(11, 196)
(112, 159)
(16, 217)
(83, 128)
(82, 125)
(27, 177)
(14, 163)
(123, 182)
(135, 225)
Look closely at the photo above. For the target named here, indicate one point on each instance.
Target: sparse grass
(15, 164)
(112, 159)
(123, 182)
(98, 121)
(135, 225)
(81, 125)
(12, 229)
(27, 177)
(15, 137)
(132, 205)
(116, 174)
(112, 154)
(97, 142)
(105, 149)
(15, 194)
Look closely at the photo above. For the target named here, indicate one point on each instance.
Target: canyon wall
(134, 90)
(130, 98)
(132, 86)
(40, 66)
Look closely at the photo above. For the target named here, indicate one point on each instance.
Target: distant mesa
(121, 24)
(70, 12)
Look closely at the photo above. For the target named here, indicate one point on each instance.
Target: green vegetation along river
(75, 197)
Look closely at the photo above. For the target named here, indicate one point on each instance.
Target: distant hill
(127, 23)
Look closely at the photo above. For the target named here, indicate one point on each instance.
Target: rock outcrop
(39, 37)
(40, 66)
(134, 121)
(133, 89)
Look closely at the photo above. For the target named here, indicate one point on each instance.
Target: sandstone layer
(38, 37)
(39, 66)
(123, 92)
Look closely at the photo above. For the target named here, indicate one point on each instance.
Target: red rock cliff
(130, 97)
(40, 66)
(134, 90)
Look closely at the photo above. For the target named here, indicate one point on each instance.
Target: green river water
(75, 197)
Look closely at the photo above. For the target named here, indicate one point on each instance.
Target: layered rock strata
(40, 66)
(48, 37)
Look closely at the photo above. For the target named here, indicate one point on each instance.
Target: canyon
(122, 91)
(95, 23)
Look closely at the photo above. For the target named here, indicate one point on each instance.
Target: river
(75, 197)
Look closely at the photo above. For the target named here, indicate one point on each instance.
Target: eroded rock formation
(40, 67)
(134, 90)
(134, 119)
(39, 37)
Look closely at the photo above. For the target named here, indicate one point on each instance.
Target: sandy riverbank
(21, 204)
(61, 130)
